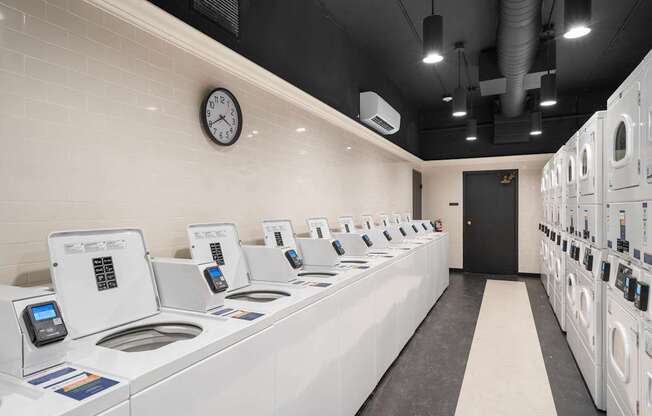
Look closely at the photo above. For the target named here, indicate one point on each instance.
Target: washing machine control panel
(215, 279)
(367, 240)
(387, 235)
(44, 323)
(606, 270)
(338, 247)
(293, 258)
(642, 295)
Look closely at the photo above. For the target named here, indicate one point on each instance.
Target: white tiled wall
(99, 127)
(444, 184)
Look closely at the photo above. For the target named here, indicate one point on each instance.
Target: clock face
(222, 117)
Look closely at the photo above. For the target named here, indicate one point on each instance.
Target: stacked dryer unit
(584, 288)
(628, 176)
(544, 227)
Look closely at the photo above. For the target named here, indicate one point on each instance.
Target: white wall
(443, 183)
(99, 127)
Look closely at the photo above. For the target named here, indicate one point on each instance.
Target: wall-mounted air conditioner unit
(377, 114)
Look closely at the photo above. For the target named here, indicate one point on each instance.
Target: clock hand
(224, 120)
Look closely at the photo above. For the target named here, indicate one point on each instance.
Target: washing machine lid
(279, 233)
(103, 278)
(368, 222)
(220, 243)
(347, 224)
(319, 228)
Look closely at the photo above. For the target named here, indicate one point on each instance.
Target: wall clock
(221, 117)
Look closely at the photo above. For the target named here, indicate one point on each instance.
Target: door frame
(466, 174)
(414, 213)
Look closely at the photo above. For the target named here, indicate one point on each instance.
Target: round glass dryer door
(586, 177)
(622, 140)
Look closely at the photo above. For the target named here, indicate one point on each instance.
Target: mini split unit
(377, 114)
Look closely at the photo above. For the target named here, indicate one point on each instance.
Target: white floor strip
(505, 373)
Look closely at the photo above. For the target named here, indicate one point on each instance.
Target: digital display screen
(292, 253)
(215, 272)
(43, 312)
(638, 289)
(337, 243)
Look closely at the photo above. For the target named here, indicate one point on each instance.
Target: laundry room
(325, 207)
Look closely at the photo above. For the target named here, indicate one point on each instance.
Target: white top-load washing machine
(104, 282)
(273, 287)
(36, 377)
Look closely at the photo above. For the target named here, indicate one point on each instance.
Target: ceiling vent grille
(226, 13)
(382, 123)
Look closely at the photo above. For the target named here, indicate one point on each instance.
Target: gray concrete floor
(425, 380)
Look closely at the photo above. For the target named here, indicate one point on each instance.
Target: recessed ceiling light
(300, 129)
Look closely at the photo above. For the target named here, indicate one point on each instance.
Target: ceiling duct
(516, 47)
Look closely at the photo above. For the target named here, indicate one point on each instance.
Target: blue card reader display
(44, 312)
(215, 272)
(215, 279)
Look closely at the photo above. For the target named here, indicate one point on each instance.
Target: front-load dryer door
(571, 176)
(558, 274)
(622, 141)
(622, 354)
(587, 164)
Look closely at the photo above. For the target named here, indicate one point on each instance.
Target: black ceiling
(621, 36)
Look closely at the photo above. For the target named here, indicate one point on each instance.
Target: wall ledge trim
(150, 18)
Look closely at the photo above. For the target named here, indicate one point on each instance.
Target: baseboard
(530, 275)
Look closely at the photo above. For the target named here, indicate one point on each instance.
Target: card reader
(338, 247)
(629, 290)
(293, 258)
(367, 240)
(215, 279)
(44, 323)
(606, 269)
(642, 295)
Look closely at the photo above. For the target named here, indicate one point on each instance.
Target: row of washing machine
(293, 327)
(596, 253)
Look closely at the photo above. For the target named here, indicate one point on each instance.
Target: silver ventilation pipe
(517, 43)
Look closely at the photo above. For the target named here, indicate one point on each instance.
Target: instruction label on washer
(74, 383)
(312, 284)
(238, 314)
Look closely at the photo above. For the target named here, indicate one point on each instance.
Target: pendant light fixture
(535, 123)
(548, 81)
(577, 18)
(471, 129)
(459, 95)
(433, 37)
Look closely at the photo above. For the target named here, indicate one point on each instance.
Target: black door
(416, 195)
(491, 222)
